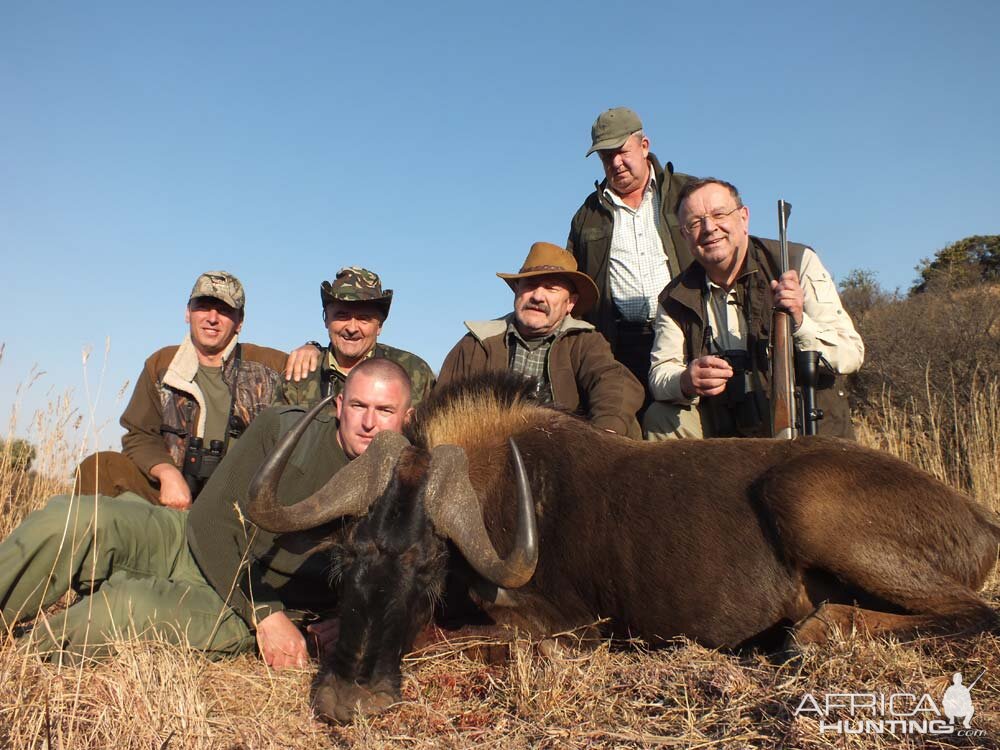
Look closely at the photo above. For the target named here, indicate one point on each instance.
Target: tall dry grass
(154, 695)
(957, 440)
(54, 431)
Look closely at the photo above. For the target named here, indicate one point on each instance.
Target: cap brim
(608, 143)
(227, 300)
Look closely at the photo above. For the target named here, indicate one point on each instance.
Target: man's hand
(786, 294)
(705, 376)
(174, 490)
(280, 642)
(323, 635)
(301, 362)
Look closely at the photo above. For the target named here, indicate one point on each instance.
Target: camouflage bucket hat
(356, 284)
(221, 286)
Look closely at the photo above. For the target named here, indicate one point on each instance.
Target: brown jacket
(167, 405)
(585, 377)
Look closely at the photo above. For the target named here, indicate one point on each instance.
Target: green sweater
(271, 572)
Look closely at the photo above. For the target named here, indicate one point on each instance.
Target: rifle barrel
(784, 211)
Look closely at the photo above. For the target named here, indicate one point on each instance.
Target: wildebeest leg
(818, 627)
(884, 531)
(942, 607)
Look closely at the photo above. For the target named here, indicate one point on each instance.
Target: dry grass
(964, 452)
(158, 696)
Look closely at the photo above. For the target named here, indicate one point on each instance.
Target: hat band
(560, 269)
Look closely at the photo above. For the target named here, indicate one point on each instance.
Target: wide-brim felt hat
(546, 259)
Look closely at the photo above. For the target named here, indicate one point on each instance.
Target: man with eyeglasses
(354, 309)
(709, 363)
(625, 236)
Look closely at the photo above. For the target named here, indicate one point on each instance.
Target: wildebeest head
(391, 568)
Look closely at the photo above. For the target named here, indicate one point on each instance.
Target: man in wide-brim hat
(568, 359)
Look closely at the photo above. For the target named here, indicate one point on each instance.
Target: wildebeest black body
(716, 540)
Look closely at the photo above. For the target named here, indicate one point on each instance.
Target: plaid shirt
(637, 268)
(529, 357)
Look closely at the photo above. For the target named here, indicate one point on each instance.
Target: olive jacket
(590, 241)
(257, 572)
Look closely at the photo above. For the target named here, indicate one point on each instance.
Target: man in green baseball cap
(354, 309)
(625, 236)
(187, 397)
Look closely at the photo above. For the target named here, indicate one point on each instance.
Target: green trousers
(130, 562)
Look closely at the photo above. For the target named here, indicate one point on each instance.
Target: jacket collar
(486, 329)
(184, 366)
(657, 174)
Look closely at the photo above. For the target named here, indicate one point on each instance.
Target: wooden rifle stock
(782, 350)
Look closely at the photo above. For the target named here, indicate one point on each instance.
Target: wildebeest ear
(453, 507)
(349, 492)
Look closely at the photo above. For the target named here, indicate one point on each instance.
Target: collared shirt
(637, 267)
(725, 316)
(529, 357)
(825, 328)
(331, 359)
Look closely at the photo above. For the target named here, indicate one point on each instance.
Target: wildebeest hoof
(338, 701)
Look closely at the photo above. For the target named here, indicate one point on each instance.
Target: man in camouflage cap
(354, 309)
(209, 389)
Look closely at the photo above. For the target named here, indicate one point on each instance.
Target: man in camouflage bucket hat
(209, 388)
(354, 309)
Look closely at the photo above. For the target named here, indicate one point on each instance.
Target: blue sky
(433, 143)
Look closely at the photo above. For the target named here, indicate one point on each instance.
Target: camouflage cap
(222, 286)
(612, 128)
(356, 284)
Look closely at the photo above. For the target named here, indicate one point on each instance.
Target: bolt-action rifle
(782, 355)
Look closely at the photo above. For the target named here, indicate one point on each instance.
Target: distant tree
(964, 263)
(860, 291)
(18, 454)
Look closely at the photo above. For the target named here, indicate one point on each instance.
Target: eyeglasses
(718, 216)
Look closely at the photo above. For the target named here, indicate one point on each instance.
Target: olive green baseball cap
(220, 285)
(612, 128)
(356, 284)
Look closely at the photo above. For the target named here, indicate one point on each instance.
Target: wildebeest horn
(454, 508)
(349, 492)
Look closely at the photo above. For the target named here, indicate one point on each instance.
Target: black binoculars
(200, 462)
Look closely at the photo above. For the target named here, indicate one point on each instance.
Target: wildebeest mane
(484, 408)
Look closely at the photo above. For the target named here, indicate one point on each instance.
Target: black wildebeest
(718, 540)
